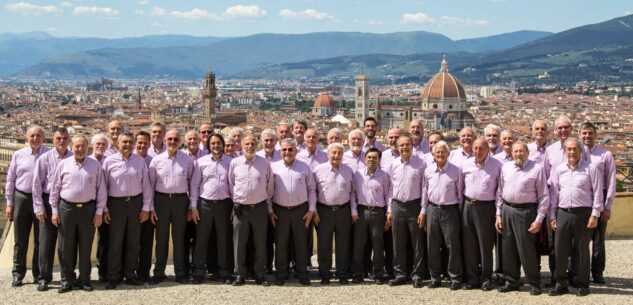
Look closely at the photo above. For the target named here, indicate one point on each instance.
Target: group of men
(411, 212)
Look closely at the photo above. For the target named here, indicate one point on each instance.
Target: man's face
(572, 152)
(283, 131)
(335, 155)
(492, 137)
(333, 137)
(288, 153)
(563, 129)
(172, 139)
(115, 128)
(356, 142)
(507, 140)
(393, 136)
(519, 152)
(298, 130)
(311, 138)
(142, 145)
(440, 154)
(204, 132)
(193, 141)
(466, 137)
(404, 147)
(249, 145)
(229, 147)
(126, 145)
(433, 139)
(79, 148)
(588, 136)
(370, 129)
(539, 131)
(99, 147)
(157, 134)
(372, 160)
(35, 139)
(216, 146)
(60, 141)
(268, 142)
(416, 130)
(480, 150)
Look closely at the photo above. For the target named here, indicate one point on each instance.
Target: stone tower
(362, 98)
(209, 94)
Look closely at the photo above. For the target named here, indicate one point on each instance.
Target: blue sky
(456, 19)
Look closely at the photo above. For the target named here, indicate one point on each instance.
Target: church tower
(209, 94)
(362, 98)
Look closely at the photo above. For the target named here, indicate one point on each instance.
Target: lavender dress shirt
(294, 184)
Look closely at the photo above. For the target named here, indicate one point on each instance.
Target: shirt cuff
(595, 213)
(539, 218)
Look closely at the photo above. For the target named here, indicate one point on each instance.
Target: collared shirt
(497, 150)
(458, 156)
(442, 187)
(294, 184)
(576, 187)
(334, 185)
(251, 182)
(128, 177)
(199, 153)
(274, 158)
(147, 158)
(21, 170)
(171, 175)
(524, 185)
(421, 149)
(406, 179)
(110, 151)
(428, 158)
(481, 181)
(94, 157)
(355, 162)
(376, 145)
(554, 156)
(371, 189)
(300, 147)
(602, 159)
(387, 157)
(537, 153)
(210, 179)
(78, 182)
(45, 168)
(503, 157)
(153, 151)
(313, 160)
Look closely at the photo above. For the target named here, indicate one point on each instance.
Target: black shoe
(456, 286)
(551, 283)
(133, 281)
(17, 282)
(42, 286)
(572, 283)
(144, 279)
(434, 284)
(598, 278)
(535, 290)
(380, 280)
(507, 288)
(325, 281)
(582, 292)
(398, 281)
(304, 281)
(262, 282)
(501, 281)
(198, 279)
(239, 281)
(111, 285)
(471, 286)
(227, 280)
(279, 282)
(343, 281)
(417, 283)
(182, 280)
(157, 279)
(66, 287)
(486, 286)
(86, 287)
(558, 290)
(357, 280)
(103, 279)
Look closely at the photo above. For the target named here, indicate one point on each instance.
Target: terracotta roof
(324, 101)
(443, 85)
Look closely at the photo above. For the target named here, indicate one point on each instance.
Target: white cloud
(416, 18)
(376, 22)
(195, 15)
(448, 20)
(31, 9)
(104, 12)
(627, 13)
(156, 24)
(143, 2)
(308, 14)
(157, 11)
(139, 12)
(51, 29)
(244, 12)
(66, 4)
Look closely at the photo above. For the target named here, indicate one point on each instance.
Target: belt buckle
(335, 208)
(170, 195)
(79, 205)
(127, 198)
(252, 206)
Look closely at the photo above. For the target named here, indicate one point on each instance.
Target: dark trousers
(171, 212)
(598, 250)
(23, 220)
(190, 245)
(443, 223)
(572, 239)
(291, 226)
(479, 238)
(334, 221)
(247, 219)
(499, 254)
(370, 223)
(125, 237)
(387, 237)
(146, 248)
(102, 249)
(405, 224)
(76, 232)
(519, 245)
(551, 258)
(215, 215)
(270, 247)
(47, 243)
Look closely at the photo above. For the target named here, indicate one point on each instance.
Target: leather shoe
(558, 290)
(471, 286)
(304, 281)
(111, 285)
(262, 282)
(239, 281)
(66, 287)
(86, 287)
(42, 286)
(535, 290)
(598, 278)
(279, 282)
(551, 283)
(434, 284)
(398, 281)
(357, 280)
(380, 280)
(103, 279)
(583, 291)
(182, 280)
(17, 282)
(507, 288)
(456, 286)
(325, 281)
(157, 279)
(198, 279)
(227, 280)
(133, 281)
(343, 281)
(486, 286)
(417, 283)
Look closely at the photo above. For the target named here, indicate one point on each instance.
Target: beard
(519, 162)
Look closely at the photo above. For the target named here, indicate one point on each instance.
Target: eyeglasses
(206, 131)
(287, 149)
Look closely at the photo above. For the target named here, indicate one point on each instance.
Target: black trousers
(519, 245)
(247, 219)
(23, 220)
(215, 216)
(190, 245)
(47, 243)
(405, 226)
(76, 232)
(479, 236)
(443, 223)
(171, 212)
(291, 226)
(146, 247)
(572, 239)
(102, 249)
(334, 221)
(370, 223)
(598, 250)
(125, 236)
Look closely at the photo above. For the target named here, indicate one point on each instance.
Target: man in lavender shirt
(334, 135)
(434, 137)
(210, 199)
(157, 136)
(283, 132)
(521, 211)
(170, 174)
(298, 129)
(192, 140)
(602, 159)
(237, 134)
(480, 176)
(143, 140)
(20, 203)
(78, 197)
(420, 144)
(576, 194)
(312, 154)
(42, 178)
(355, 157)
(115, 128)
(390, 154)
(204, 131)
(294, 202)
(230, 148)
(269, 141)
(370, 126)
(129, 202)
(538, 147)
(507, 140)
(100, 145)
(492, 133)
(251, 185)
(403, 213)
(335, 190)
(466, 137)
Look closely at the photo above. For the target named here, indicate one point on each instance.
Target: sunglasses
(206, 132)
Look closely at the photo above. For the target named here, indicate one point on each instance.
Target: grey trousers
(443, 223)
(406, 230)
(246, 218)
(23, 220)
(478, 241)
(215, 215)
(572, 239)
(291, 226)
(76, 232)
(519, 245)
(334, 221)
(47, 243)
(598, 251)
(171, 212)
(371, 222)
(125, 234)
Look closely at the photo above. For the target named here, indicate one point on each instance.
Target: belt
(444, 206)
(474, 201)
(290, 208)
(574, 210)
(252, 206)
(209, 201)
(417, 200)
(334, 208)
(125, 198)
(520, 205)
(23, 193)
(77, 204)
(370, 207)
(170, 195)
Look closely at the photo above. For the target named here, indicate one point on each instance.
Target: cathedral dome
(324, 101)
(443, 85)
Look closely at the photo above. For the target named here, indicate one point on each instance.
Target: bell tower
(209, 94)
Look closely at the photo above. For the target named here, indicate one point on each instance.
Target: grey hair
(574, 140)
(41, 132)
(441, 143)
(510, 131)
(269, 132)
(80, 136)
(336, 131)
(362, 134)
(561, 119)
(290, 141)
(540, 121)
(525, 147)
(494, 127)
(162, 126)
(335, 145)
(465, 129)
(238, 130)
(99, 136)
